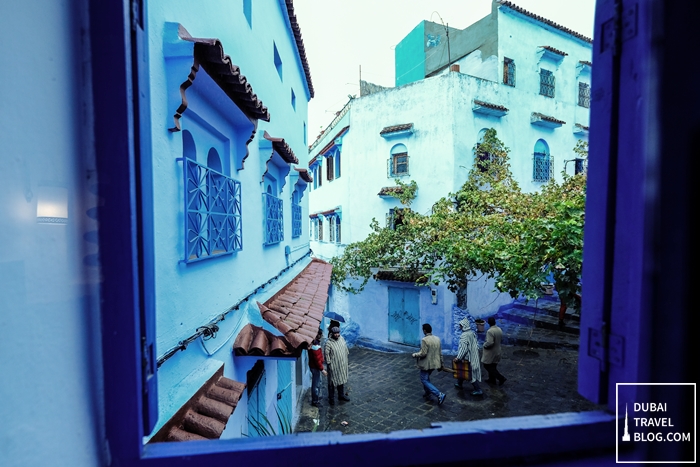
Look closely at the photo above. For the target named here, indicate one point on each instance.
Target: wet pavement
(386, 394)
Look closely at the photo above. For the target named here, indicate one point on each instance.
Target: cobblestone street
(386, 394)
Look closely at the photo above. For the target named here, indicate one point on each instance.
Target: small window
(248, 11)
(398, 164)
(305, 143)
(337, 229)
(294, 101)
(584, 95)
(508, 71)
(319, 234)
(546, 83)
(395, 217)
(330, 170)
(337, 165)
(278, 60)
(331, 229)
(318, 175)
(542, 162)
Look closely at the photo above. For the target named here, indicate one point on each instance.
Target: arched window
(212, 205)
(274, 225)
(398, 163)
(189, 150)
(542, 162)
(214, 161)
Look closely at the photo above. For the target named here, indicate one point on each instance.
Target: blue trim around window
(213, 213)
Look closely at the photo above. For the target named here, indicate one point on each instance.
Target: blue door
(404, 316)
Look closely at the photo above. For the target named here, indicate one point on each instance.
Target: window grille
(398, 164)
(337, 229)
(546, 83)
(213, 211)
(296, 220)
(508, 72)
(579, 166)
(584, 95)
(542, 167)
(331, 229)
(274, 227)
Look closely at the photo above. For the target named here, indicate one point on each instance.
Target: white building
(513, 71)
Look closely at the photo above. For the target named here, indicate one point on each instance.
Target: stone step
(527, 335)
(547, 305)
(540, 318)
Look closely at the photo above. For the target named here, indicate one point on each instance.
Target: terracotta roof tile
(490, 106)
(282, 148)
(304, 175)
(585, 62)
(254, 340)
(547, 118)
(209, 53)
(300, 45)
(205, 415)
(544, 20)
(389, 190)
(553, 50)
(395, 128)
(297, 310)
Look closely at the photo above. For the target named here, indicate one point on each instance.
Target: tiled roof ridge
(332, 125)
(585, 62)
(581, 125)
(300, 44)
(490, 106)
(297, 309)
(206, 413)
(548, 118)
(544, 20)
(282, 148)
(394, 128)
(553, 50)
(235, 85)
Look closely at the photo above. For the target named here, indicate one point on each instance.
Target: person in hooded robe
(469, 351)
(336, 355)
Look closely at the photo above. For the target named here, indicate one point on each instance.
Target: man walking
(336, 354)
(492, 352)
(429, 359)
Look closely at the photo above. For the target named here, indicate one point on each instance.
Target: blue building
(516, 72)
(75, 286)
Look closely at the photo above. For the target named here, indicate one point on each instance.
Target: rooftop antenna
(434, 43)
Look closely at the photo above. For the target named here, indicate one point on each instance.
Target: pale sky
(342, 35)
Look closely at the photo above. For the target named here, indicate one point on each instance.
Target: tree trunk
(462, 297)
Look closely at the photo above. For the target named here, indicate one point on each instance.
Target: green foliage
(488, 226)
(405, 192)
(264, 427)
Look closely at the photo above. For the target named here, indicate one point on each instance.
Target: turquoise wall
(410, 56)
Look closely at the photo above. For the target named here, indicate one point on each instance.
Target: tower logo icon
(626, 435)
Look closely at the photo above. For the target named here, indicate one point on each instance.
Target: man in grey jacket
(492, 352)
(429, 359)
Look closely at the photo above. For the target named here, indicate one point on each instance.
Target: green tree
(489, 226)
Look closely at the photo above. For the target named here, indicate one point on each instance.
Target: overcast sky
(340, 36)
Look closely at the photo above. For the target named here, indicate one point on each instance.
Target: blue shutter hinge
(605, 347)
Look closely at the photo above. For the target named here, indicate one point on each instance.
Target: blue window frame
(212, 213)
(274, 225)
(542, 166)
(124, 273)
(398, 163)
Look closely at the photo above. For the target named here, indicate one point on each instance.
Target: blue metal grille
(274, 227)
(546, 83)
(584, 95)
(542, 167)
(213, 213)
(296, 220)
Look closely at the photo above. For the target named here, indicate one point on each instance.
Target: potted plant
(480, 324)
